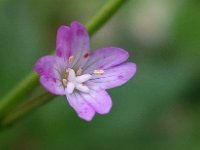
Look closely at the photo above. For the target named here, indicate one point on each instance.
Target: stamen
(75, 81)
(65, 74)
(65, 82)
(86, 55)
(79, 72)
(99, 72)
(71, 59)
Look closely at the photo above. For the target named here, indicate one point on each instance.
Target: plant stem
(25, 108)
(31, 81)
(15, 96)
(103, 15)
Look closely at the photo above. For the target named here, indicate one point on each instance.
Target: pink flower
(83, 76)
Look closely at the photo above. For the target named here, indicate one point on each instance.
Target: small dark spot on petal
(101, 67)
(120, 77)
(59, 52)
(85, 110)
(80, 112)
(41, 70)
(54, 80)
(86, 55)
(80, 32)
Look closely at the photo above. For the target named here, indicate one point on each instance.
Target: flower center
(76, 81)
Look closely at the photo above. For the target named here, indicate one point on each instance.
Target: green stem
(25, 108)
(16, 95)
(103, 15)
(31, 81)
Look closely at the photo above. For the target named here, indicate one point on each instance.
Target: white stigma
(76, 82)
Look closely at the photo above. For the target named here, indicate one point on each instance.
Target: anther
(79, 72)
(71, 59)
(65, 74)
(99, 72)
(86, 55)
(65, 82)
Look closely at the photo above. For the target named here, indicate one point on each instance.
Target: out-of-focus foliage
(158, 109)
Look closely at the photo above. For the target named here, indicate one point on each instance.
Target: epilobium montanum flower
(83, 76)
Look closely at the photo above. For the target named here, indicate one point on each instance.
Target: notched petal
(99, 100)
(63, 42)
(105, 58)
(44, 65)
(114, 76)
(81, 107)
(52, 85)
(73, 41)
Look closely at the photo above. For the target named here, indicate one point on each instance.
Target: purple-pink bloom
(83, 76)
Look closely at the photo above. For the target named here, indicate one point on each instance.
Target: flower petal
(63, 42)
(104, 58)
(114, 76)
(80, 44)
(73, 41)
(100, 101)
(44, 65)
(50, 66)
(82, 108)
(52, 85)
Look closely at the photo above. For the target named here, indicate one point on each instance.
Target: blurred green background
(159, 109)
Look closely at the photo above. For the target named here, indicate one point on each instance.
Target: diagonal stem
(25, 108)
(16, 94)
(103, 15)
